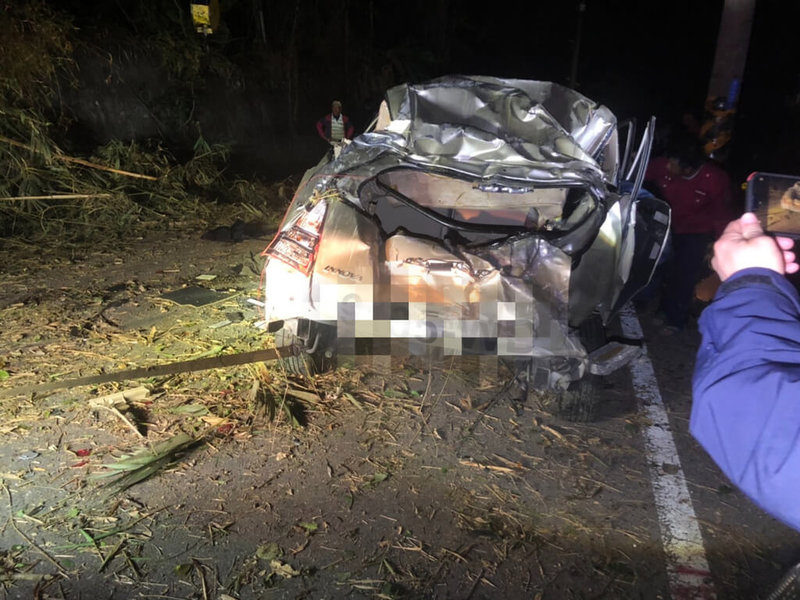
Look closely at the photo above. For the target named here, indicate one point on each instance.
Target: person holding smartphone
(746, 385)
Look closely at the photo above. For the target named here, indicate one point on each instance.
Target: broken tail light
(297, 246)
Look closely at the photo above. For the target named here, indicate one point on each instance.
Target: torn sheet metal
(481, 216)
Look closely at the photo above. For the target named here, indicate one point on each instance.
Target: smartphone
(775, 199)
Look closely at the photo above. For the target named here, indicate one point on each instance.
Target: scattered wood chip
(136, 394)
(488, 467)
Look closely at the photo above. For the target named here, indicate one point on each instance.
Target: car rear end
(481, 216)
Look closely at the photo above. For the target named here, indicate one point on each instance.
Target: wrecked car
(478, 216)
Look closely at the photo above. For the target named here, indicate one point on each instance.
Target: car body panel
(481, 216)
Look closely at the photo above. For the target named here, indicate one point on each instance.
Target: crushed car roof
(506, 129)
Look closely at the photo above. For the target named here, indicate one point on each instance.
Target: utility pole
(576, 49)
(726, 76)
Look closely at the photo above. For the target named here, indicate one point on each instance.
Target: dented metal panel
(480, 217)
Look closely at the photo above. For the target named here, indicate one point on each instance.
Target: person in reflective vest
(335, 127)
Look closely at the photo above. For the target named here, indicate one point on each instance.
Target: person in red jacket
(335, 126)
(699, 193)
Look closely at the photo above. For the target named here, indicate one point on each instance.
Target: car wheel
(579, 401)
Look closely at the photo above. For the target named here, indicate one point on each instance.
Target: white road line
(687, 567)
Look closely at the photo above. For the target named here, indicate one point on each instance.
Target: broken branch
(79, 161)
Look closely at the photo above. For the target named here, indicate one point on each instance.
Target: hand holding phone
(743, 245)
(775, 200)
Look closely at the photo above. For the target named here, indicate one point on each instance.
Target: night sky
(639, 58)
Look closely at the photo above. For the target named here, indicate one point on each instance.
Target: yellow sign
(205, 15)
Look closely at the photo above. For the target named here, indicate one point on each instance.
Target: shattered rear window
(470, 202)
(412, 199)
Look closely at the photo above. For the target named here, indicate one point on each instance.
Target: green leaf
(130, 470)
(378, 478)
(309, 526)
(193, 410)
(4, 375)
(353, 401)
(389, 567)
(269, 551)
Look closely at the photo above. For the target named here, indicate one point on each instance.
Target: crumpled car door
(645, 226)
(625, 252)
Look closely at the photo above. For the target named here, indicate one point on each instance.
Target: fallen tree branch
(79, 161)
(115, 411)
(58, 197)
(184, 366)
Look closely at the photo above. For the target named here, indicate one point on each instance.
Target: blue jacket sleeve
(746, 407)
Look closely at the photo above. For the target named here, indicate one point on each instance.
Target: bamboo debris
(86, 163)
(78, 161)
(488, 467)
(58, 197)
(136, 394)
(116, 412)
(131, 469)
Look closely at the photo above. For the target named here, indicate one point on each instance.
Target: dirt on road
(416, 480)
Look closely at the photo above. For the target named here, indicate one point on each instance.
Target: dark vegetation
(118, 115)
(55, 188)
(211, 121)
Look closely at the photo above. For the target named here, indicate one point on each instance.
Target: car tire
(578, 402)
